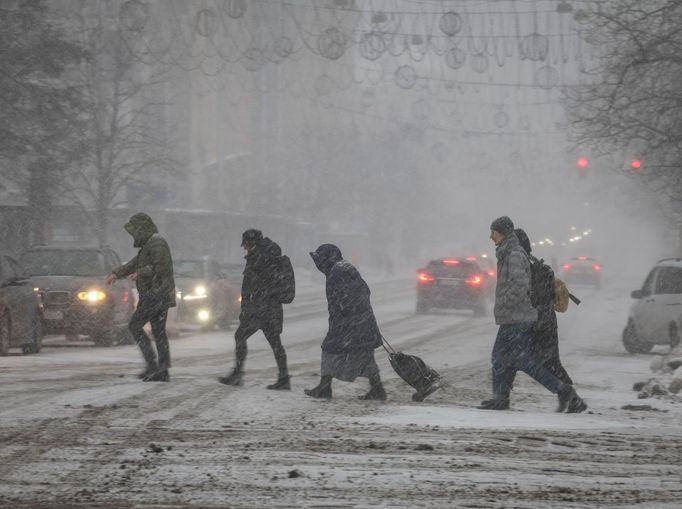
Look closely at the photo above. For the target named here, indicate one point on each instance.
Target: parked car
(76, 299)
(20, 309)
(655, 317)
(454, 283)
(582, 270)
(207, 297)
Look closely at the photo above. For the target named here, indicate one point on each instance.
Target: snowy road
(77, 429)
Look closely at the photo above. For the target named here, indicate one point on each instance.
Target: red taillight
(471, 258)
(491, 273)
(424, 277)
(474, 280)
(566, 266)
(597, 267)
(450, 261)
(126, 296)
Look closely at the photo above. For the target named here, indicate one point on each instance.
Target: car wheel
(36, 343)
(5, 333)
(124, 336)
(105, 338)
(674, 336)
(631, 341)
(479, 310)
(224, 321)
(422, 306)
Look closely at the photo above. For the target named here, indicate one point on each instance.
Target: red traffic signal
(583, 163)
(636, 164)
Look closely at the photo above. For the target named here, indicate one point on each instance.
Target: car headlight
(93, 296)
(203, 315)
(199, 292)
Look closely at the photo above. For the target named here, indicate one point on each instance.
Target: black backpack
(541, 283)
(284, 277)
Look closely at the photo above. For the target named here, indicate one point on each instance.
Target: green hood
(141, 228)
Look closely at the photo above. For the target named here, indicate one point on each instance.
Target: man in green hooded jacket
(152, 271)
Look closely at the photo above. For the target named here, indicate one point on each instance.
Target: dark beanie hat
(252, 235)
(523, 240)
(503, 224)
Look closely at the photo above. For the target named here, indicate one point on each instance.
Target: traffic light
(582, 163)
(636, 165)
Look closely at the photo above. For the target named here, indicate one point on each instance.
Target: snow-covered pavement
(77, 429)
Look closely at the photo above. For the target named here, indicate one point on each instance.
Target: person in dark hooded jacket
(261, 307)
(545, 339)
(353, 335)
(152, 271)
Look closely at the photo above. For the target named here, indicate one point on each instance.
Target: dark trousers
(511, 353)
(270, 322)
(152, 310)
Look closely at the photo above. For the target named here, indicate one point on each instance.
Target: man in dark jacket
(152, 271)
(516, 317)
(545, 340)
(261, 307)
(353, 335)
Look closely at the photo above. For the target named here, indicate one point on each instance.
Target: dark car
(76, 299)
(582, 270)
(207, 297)
(20, 309)
(454, 283)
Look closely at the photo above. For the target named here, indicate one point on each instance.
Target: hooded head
(141, 227)
(503, 225)
(325, 257)
(523, 240)
(251, 237)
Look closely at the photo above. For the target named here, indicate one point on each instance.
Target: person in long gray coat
(516, 317)
(353, 335)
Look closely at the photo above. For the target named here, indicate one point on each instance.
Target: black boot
(323, 389)
(376, 391)
(234, 378)
(157, 376)
(570, 401)
(495, 403)
(149, 370)
(282, 383)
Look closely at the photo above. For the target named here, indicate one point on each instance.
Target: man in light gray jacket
(516, 316)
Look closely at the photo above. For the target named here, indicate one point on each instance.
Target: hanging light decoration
(405, 77)
(455, 58)
(546, 77)
(282, 47)
(206, 22)
(564, 7)
(450, 23)
(479, 63)
(372, 45)
(534, 47)
(235, 9)
(134, 15)
(332, 43)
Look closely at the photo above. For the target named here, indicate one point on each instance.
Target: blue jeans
(512, 353)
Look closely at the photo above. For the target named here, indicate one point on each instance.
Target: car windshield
(61, 262)
(189, 268)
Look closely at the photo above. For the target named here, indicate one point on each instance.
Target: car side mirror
(637, 294)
